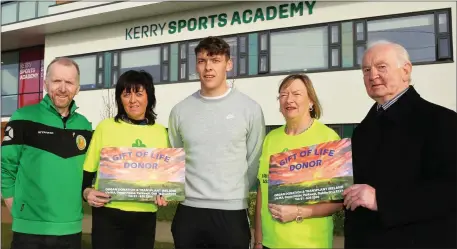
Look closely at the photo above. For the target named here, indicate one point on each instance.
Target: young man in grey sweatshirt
(222, 132)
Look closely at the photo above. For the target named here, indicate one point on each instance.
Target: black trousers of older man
(408, 155)
(210, 228)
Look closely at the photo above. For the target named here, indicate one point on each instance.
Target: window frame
(164, 62)
(40, 91)
(115, 67)
(335, 45)
(184, 61)
(443, 35)
(267, 52)
(243, 55)
(96, 54)
(100, 85)
(119, 63)
(19, 10)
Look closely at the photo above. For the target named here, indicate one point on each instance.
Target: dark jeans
(32, 241)
(210, 228)
(117, 229)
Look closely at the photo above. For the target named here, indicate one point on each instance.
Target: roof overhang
(32, 32)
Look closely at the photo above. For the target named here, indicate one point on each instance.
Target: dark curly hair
(213, 46)
(133, 81)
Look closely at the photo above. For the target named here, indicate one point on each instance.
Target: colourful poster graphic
(309, 175)
(139, 174)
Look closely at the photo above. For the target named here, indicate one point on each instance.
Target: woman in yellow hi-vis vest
(294, 226)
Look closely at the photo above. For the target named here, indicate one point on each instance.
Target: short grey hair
(402, 53)
(63, 61)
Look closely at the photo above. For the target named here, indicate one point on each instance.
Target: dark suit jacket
(408, 154)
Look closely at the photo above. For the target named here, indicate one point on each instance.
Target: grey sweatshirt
(223, 140)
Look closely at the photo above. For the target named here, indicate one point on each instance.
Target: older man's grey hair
(63, 61)
(400, 51)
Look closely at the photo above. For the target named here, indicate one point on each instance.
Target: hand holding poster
(139, 174)
(309, 175)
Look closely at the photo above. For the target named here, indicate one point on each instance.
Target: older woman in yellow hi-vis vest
(294, 226)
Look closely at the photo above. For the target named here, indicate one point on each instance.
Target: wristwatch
(299, 218)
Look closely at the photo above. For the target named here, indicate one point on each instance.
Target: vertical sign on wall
(30, 76)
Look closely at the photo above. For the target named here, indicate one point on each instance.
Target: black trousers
(210, 228)
(32, 241)
(117, 229)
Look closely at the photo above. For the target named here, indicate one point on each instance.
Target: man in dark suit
(404, 159)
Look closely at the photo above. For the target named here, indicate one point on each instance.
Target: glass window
(415, 33)
(10, 73)
(28, 99)
(147, 59)
(115, 78)
(192, 60)
(263, 42)
(347, 44)
(263, 63)
(444, 48)
(183, 69)
(360, 31)
(107, 70)
(335, 57)
(88, 71)
(43, 7)
(242, 44)
(243, 65)
(165, 53)
(360, 50)
(27, 10)
(100, 61)
(115, 59)
(335, 34)
(174, 62)
(232, 42)
(9, 105)
(9, 13)
(253, 54)
(442, 23)
(165, 72)
(299, 50)
(99, 77)
(183, 51)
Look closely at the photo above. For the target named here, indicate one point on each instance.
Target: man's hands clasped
(360, 195)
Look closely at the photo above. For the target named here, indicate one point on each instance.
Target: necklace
(307, 127)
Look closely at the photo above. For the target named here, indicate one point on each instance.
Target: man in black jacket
(404, 159)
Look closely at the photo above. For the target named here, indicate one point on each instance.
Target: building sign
(283, 11)
(30, 70)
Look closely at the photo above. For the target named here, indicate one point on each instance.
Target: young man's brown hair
(213, 46)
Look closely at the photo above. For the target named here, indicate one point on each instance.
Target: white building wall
(342, 93)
